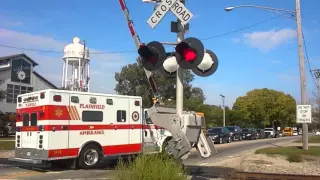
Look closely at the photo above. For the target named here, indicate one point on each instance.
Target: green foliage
(258, 108)
(131, 80)
(7, 145)
(311, 139)
(293, 154)
(261, 107)
(145, 167)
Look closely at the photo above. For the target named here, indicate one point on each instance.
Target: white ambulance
(70, 128)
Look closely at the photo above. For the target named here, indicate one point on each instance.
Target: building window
(121, 116)
(92, 116)
(20, 71)
(14, 90)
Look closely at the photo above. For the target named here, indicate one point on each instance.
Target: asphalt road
(10, 170)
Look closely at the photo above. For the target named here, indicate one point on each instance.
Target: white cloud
(268, 40)
(102, 66)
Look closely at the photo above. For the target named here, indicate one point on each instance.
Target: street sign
(177, 9)
(181, 12)
(160, 11)
(304, 114)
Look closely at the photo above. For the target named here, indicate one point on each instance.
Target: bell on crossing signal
(152, 55)
(169, 66)
(208, 65)
(190, 53)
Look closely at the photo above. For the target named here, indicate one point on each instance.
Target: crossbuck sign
(176, 8)
(304, 114)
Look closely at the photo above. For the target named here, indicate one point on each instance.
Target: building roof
(33, 63)
(19, 55)
(44, 79)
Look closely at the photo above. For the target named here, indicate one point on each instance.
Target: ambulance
(78, 129)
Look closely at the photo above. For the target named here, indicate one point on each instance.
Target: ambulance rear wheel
(90, 157)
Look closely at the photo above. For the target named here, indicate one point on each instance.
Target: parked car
(261, 134)
(219, 134)
(235, 132)
(249, 133)
(295, 133)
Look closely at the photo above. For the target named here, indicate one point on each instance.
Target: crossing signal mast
(189, 54)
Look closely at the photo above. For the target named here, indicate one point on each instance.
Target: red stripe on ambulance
(86, 127)
(107, 150)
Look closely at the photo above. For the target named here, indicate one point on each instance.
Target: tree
(266, 107)
(2, 92)
(131, 80)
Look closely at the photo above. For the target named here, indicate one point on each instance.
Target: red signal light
(189, 54)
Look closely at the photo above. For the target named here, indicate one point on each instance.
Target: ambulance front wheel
(90, 157)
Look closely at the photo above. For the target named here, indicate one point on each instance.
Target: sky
(262, 56)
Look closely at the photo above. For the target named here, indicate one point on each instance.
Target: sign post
(178, 8)
(304, 116)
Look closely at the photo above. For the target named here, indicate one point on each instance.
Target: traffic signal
(152, 55)
(190, 53)
(169, 66)
(208, 65)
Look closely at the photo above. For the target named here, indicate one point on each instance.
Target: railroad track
(269, 176)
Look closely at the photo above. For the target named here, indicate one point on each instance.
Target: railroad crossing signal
(176, 8)
(190, 54)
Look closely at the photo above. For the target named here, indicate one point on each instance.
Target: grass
(7, 138)
(145, 167)
(7, 145)
(312, 139)
(293, 154)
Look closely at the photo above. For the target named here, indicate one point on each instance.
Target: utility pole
(224, 110)
(179, 86)
(302, 73)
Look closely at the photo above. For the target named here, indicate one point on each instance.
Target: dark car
(219, 134)
(249, 133)
(235, 132)
(261, 134)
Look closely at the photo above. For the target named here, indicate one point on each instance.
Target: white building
(18, 77)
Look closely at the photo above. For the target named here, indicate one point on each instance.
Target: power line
(307, 58)
(51, 51)
(238, 30)
(132, 51)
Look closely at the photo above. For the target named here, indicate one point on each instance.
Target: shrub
(150, 167)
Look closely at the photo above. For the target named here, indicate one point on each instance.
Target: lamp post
(224, 110)
(295, 15)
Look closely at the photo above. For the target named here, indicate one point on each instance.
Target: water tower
(75, 76)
